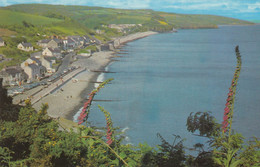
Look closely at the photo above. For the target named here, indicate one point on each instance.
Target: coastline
(67, 101)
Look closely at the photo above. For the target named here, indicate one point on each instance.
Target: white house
(47, 63)
(25, 47)
(33, 71)
(50, 43)
(56, 52)
(33, 68)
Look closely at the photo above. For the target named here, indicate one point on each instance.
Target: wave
(125, 129)
(75, 117)
(100, 78)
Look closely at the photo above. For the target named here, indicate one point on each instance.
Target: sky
(241, 9)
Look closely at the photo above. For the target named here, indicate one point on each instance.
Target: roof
(33, 66)
(56, 40)
(45, 41)
(12, 70)
(55, 50)
(36, 60)
(49, 58)
(1, 39)
(27, 44)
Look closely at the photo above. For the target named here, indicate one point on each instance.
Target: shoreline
(67, 101)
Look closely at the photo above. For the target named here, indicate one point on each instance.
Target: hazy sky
(243, 9)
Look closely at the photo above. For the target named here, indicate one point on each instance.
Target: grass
(10, 17)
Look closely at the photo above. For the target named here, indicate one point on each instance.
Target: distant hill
(94, 17)
(255, 21)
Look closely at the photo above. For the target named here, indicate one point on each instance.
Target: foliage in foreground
(30, 138)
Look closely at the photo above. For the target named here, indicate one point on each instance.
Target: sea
(159, 80)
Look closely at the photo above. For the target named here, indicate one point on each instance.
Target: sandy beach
(66, 102)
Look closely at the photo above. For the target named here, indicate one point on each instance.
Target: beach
(66, 101)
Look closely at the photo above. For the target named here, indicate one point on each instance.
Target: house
(47, 62)
(31, 60)
(71, 43)
(33, 71)
(12, 74)
(50, 43)
(54, 43)
(43, 43)
(25, 47)
(75, 41)
(2, 42)
(56, 52)
(30, 73)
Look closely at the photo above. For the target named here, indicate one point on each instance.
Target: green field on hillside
(10, 17)
(93, 17)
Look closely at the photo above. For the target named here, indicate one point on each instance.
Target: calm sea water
(165, 77)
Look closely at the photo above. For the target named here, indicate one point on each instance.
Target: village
(50, 63)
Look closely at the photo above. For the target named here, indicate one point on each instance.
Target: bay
(165, 77)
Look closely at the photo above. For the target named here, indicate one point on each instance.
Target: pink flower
(224, 124)
(228, 99)
(227, 104)
(109, 142)
(225, 118)
(226, 109)
(80, 122)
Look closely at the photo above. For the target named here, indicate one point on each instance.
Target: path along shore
(66, 102)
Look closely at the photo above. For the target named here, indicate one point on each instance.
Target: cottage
(70, 43)
(55, 43)
(2, 42)
(31, 60)
(30, 73)
(52, 52)
(50, 43)
(47, 62)
(12, 74)
(75, 41)
(33, 71)
(25, 47)
(43, 43)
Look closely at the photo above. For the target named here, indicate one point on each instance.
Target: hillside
(93, 17)
(10, 17)
(200, 21)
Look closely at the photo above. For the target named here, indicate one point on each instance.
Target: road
(65, 62)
